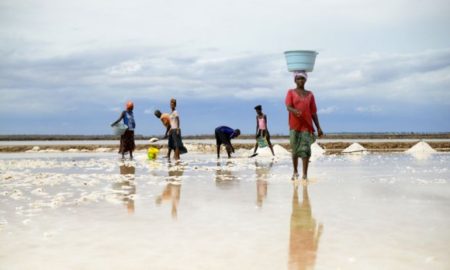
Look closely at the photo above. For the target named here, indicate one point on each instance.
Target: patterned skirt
(301, 143)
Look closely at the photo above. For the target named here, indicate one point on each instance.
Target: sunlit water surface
(93, 211)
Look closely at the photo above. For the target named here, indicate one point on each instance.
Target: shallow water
(93, 211)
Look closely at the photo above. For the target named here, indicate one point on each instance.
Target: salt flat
(93, 211)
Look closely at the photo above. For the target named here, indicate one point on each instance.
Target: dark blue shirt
(227, 130)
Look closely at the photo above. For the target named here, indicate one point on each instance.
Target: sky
(69, 67)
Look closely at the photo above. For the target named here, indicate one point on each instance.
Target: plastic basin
(300, 60)
(119, 129)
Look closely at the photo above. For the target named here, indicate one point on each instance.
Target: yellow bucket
(152, 152)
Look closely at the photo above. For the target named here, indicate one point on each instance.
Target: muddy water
(93, 211)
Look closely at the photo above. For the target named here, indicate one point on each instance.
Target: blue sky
(68, 67)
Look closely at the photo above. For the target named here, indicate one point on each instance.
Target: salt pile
(316, 149)
(201, 148)
(34, 149)
(102, 150)
(421, 150)
(355, 148)
(421, 147)
(265, 152)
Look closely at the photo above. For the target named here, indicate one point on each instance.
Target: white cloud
(61, 27)
(369, 109)
(416, 78)
(57, 56)
(125, 68)
(115, 76)
(328, 110)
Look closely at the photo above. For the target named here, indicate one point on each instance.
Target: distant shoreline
(386, 135)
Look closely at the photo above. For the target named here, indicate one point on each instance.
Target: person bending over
(224, 135)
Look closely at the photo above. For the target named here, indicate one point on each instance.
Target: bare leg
(177, 153)
(218, 151)
(168, 153)
(305, 167)
(131, 155)
(229, 150)
(256, 147)
(270, 144)
(295, 164)
(271, 149)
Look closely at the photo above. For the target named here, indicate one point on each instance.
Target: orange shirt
(306, 105)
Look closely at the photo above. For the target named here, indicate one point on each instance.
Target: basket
(300, 60)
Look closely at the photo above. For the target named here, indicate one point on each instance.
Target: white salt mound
(265, 152)
(102, 149)
(34, 149)
(355, 148)
(316, 150)
(421, 147)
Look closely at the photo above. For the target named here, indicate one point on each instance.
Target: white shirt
(173, 120)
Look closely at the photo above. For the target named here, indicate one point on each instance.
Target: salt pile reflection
(92, 211)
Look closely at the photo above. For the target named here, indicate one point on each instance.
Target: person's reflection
(224, 177)
(126, 187)
(172, 190)
(305, 234)
(262, 173)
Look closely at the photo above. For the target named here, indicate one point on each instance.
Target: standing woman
(262, 129)
(302, 112)
(175, 132)
(127, 138)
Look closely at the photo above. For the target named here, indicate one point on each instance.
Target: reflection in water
(126, 188)
(224, 177)
(172, 190)
(262, 173)
(305, 234)
(421, 155)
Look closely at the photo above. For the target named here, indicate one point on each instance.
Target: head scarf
(300, 73)
(129, 105)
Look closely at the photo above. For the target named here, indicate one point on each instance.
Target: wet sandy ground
(93, 211)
